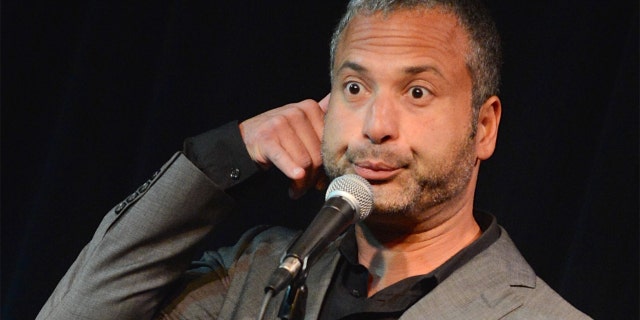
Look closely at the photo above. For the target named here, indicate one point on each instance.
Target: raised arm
(146, 242)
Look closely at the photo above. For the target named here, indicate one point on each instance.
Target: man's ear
(488, 123)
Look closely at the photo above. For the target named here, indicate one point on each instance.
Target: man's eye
(353, 88)
(418, 92)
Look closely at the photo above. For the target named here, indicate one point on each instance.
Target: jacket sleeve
(144, 244)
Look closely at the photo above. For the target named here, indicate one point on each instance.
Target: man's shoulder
(542, 302)
(504, 262)
(497, 283)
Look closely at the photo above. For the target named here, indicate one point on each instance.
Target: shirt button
(355, 293)
(235, 174)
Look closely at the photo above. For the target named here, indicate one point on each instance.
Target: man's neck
(413, 251)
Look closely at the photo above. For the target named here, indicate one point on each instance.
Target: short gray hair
(484, 58)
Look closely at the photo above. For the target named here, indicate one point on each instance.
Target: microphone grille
(356, 189)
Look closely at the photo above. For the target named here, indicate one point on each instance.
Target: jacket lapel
(319, 279)
(481, 289)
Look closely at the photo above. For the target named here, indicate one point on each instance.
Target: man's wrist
(222, 155)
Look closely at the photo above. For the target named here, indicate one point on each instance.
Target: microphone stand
(294, 305)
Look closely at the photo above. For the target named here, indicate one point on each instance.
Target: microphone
(349, 199)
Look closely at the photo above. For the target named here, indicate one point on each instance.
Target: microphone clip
(294, 304)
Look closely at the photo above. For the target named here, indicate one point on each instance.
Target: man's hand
(289, 138)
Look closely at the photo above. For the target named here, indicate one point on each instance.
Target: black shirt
(347, 295)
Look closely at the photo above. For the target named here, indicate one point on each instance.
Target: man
(413, 109)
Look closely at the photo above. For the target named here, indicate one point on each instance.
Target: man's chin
(390, 203)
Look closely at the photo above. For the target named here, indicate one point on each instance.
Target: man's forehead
(430, 29)
(405, 23)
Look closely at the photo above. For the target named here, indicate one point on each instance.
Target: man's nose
(380, 123)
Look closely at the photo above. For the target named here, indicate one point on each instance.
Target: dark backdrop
(96, 95)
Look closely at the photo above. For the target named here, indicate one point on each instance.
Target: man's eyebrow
(413, 70)
(424, 68)
(353, 66)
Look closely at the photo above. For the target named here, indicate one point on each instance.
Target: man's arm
(146, 242)
(136, 252)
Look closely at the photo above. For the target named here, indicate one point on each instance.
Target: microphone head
(356, 190)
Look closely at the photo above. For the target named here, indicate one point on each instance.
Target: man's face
(400, 110)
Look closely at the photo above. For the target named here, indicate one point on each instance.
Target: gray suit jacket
(134, 266)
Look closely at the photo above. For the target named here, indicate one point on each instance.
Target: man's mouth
(376, 171)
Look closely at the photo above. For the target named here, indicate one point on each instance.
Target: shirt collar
(490, 233)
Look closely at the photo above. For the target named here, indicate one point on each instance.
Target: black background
(96, 95)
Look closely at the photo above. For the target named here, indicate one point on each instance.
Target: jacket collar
(320, 277)
(484, 288)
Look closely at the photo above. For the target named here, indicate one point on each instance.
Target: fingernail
(297, 172)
